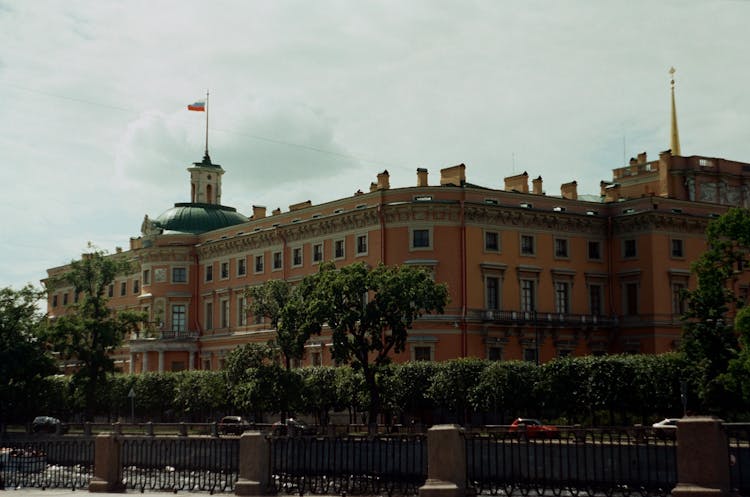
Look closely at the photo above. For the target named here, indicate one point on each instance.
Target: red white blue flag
(197, 106)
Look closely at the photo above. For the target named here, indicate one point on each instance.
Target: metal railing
(571, 461)
(361, 465)
(46, 462)
(738, 439)
(196, 463)
(548, 318)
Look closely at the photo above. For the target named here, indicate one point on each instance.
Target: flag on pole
(197, 106)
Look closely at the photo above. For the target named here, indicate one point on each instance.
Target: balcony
(536, 318)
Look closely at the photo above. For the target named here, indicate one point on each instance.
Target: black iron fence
(50, 462)
(738, 439)
(571, 461)
(362, 465)
(170, 463)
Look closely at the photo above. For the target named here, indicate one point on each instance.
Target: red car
(533, 428)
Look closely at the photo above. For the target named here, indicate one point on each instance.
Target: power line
(239, 133)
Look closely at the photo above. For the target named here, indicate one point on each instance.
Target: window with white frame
(422, 352)
(421, 238)
(678, 298)
(146, 276)
(678, 249)
(338, 249)
(179, 274)
(241, 266)
(528, 295)
(491, 241)
(224, 270)
(317, 253)
(136, 287)
(362, 244)
(561, 247)
(179, 318)
(562, 297)
(224, 313)
(596, 299)
(527, 245)
(316, 358)
(296, 256)
(209, 316)
(278, 261)
(241, 310)
(594, 250)
(259, 263)
(494, 353)
(209, 272)
(492, 292)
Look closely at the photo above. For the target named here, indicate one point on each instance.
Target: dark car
(533, 428)
(48, 424)
(292, 427)
(233, 425)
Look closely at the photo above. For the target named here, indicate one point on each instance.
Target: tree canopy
(370, 312)
(23, 358)
(709, 340)
(89, 330)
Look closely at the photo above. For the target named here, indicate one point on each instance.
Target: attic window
(338, 211)
(526, 205)
(629, 210)
(491, 201)
(676, 211)
(423, 198)
(361, 206)
(592, 213)
(296, 220)
(558, 209)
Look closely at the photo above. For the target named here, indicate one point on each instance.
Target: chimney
(276, 211)
(301, 205)
(536, 186)
(453, 176)
(259, 212)
(642, 158)
(518, 183)
(569, 190)
(421, 176)
(118, 250)
(373, 186)
(384, 180)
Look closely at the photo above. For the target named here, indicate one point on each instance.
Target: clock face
(160, 274)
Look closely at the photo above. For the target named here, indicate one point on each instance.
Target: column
(191, 360)
(161, 361)
(446, 462)
(144, 368)
(132, 363)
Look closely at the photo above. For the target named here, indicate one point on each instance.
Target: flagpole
(206, 123)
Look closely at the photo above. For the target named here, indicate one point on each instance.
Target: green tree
(369, 312)
(89, 331)
(23, 359)
(453, 383)
(709, 341)
(281, 303)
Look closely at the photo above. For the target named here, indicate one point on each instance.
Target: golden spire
(675, 142)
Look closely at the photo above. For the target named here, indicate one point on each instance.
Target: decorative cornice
(659, 221)
(530, 219)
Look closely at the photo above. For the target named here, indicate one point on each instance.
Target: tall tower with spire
(675, 138)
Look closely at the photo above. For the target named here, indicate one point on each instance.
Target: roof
(198, 218)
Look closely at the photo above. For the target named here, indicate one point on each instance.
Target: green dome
(198, 218)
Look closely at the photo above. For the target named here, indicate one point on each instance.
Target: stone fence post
(702, 458)
(107, 476)
(446, 462)
(254, 464)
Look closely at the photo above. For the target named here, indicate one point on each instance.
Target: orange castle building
(531, 276)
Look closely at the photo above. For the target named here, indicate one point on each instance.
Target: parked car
(666, 428)
(292, 427)
(533, 428)
(48, 424)
(233, 425)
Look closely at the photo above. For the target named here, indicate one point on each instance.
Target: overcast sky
(311, 99)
